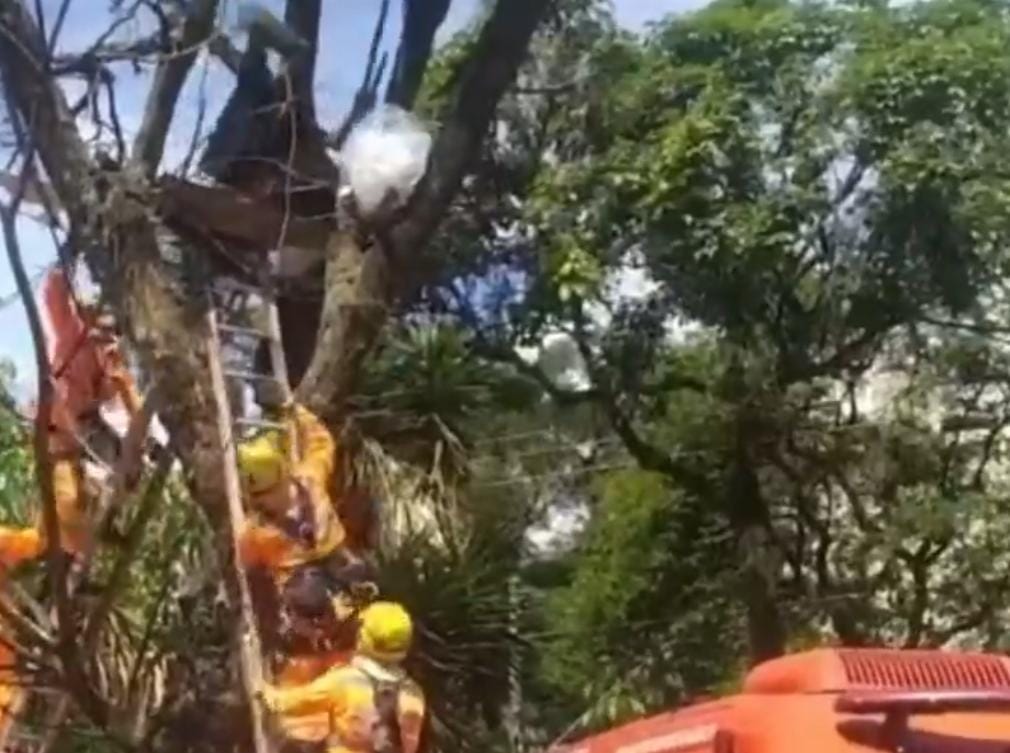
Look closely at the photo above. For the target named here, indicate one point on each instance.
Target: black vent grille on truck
(924, 670)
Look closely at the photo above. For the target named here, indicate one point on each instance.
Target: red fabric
(86, 371)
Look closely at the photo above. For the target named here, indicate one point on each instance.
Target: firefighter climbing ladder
(227, 323)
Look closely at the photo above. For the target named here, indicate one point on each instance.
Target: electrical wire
(531, 478)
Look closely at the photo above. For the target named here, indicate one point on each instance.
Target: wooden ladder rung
(234, 286)
(250, 376)
(231, 329)
(259, 423)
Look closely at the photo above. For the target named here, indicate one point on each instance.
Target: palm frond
(468, 643)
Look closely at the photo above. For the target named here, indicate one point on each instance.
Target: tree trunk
(748, 516)
(302, 16)
(750, 521)
(167, 325)
(356, 306)
(113, 228)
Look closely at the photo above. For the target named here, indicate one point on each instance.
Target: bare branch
(61, 17)
(223, 49)
(57, 561)
(169, 79)
(365, 96)
(121, 571)
(43, 417)
(41, 104)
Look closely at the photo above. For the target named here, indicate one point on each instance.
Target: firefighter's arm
(317, 447)
(129, 394)
(121, 381)
(322, 694)
(262, 545)
(412, 718)
(63, 423)
(18, 545)
(410, 729)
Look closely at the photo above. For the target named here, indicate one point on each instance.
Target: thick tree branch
(493, 65)
(124, 248)
(302, 17)
(354, 310)
(158, 323)
(169, 79)
(353, 314)
(222, 48)
(43, 108)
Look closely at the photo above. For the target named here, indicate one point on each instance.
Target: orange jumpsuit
(88, 371)
(301, 669)
(16, 546)
(346, 695)
(69, 492)
(265, 544)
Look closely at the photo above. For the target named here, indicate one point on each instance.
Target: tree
(804, 184)
(758, 255)
(121, 217)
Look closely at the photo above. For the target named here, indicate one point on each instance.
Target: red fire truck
(839, 701)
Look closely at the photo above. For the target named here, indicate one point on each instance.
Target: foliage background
(716, 368)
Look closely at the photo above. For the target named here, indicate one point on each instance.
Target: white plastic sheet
(384, 157)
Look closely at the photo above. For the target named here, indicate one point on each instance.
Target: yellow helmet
(262, 463)
(386, 632)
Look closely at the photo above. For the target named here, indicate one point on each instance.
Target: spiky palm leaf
(467, 642)
(449, 562)
(423, 390)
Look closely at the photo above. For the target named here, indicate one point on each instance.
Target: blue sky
(347, 27)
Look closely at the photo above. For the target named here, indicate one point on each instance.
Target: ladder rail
(278, 362)
(250, 646)
(267, 333)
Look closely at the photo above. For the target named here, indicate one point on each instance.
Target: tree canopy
(689, 349)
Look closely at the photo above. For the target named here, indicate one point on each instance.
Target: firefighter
(296, 522)
(321, 621)
(17, 545)
(371, 703)
(292, 520)
(89, 374)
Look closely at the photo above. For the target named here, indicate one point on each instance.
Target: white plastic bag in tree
(386, 153)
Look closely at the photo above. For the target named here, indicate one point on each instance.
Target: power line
(600, 444)
(562, 474)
